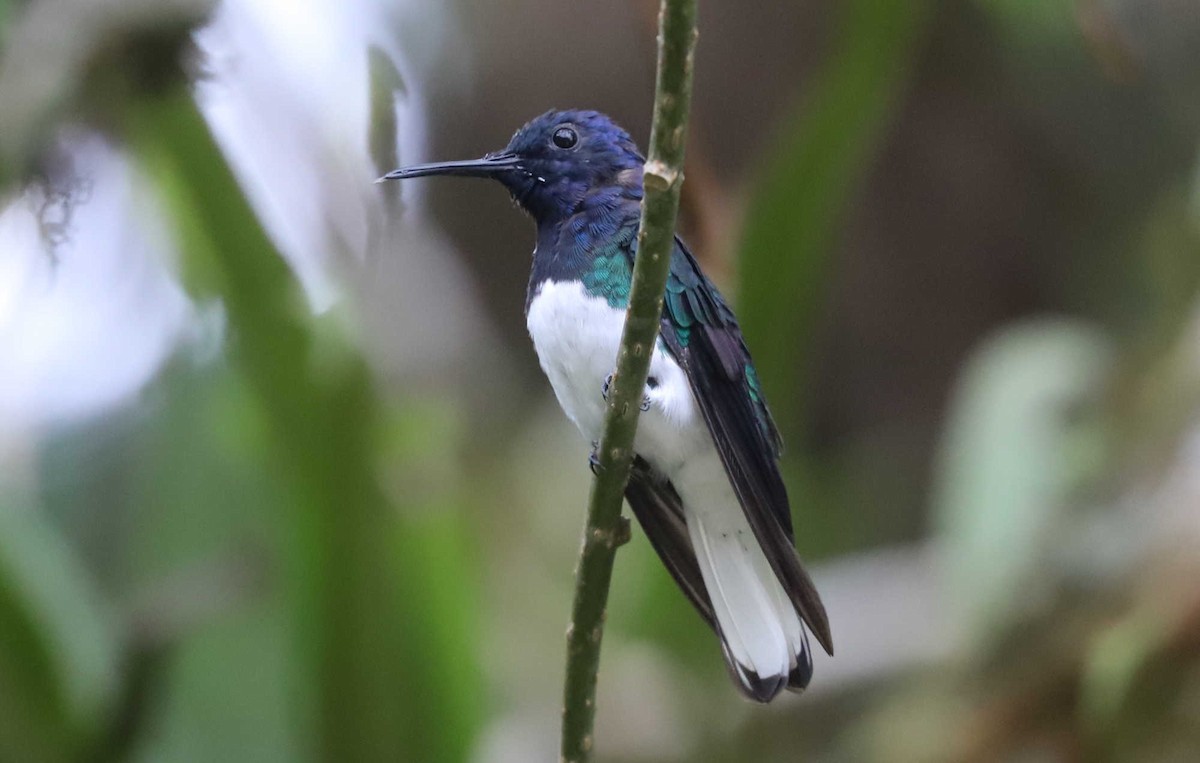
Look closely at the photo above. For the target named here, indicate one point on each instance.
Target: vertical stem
(662, 179)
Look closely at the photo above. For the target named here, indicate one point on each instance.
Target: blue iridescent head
(553, 162)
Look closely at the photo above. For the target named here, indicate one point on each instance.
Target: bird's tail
(765, 642)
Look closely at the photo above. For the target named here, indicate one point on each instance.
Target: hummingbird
(705, 484)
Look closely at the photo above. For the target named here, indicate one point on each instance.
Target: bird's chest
(576, 336)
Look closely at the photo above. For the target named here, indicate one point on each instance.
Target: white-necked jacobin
(705, 484)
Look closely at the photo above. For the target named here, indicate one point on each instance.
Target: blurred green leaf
(1025, 429)
(1112, 666)
(353, 596)
(205, 499)
(1028, 22)
(58, 650)
(433, 554)
(1167, 253)
(797, 205)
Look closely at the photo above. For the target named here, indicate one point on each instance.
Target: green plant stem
(662, 179)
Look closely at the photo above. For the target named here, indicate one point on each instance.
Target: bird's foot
(594, 458)
(604, 388)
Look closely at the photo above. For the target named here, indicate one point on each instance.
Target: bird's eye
(565, 137)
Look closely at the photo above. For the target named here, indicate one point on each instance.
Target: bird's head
(553, 162)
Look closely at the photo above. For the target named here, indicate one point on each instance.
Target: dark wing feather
(660, 513)
(702, 334)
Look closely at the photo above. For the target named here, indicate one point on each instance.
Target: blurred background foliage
(280, 479)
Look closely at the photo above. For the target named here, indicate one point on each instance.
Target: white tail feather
(789, 620)
(761, 629)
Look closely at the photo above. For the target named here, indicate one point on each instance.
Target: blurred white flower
(84, 320)
(87, 317)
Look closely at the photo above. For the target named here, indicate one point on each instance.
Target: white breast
(576, 336)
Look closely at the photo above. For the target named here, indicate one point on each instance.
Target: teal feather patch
(683, 334)
(610, 277)
(752, 384)
(765, 425)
